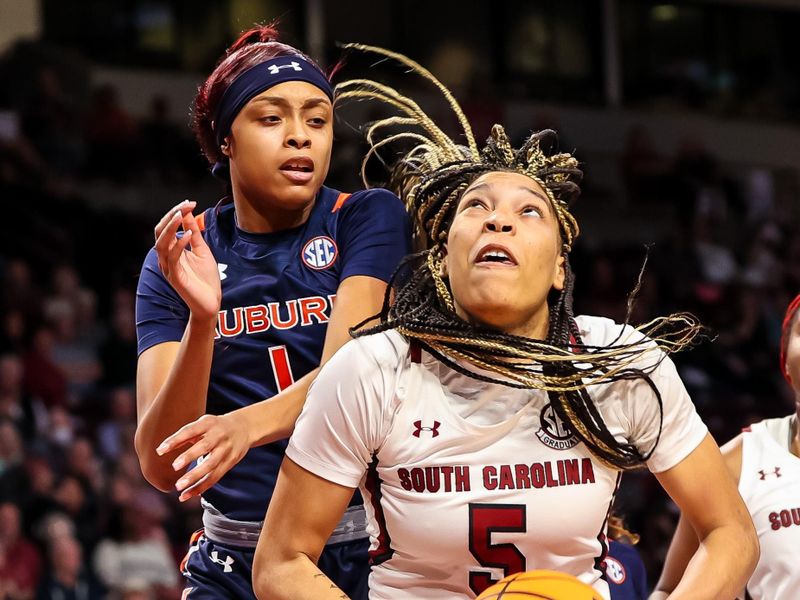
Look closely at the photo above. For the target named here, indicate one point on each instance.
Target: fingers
(184, 207)
(204, 484)
(197, 480)
(215, 440)
(167, 243)
(187, 434)
(199, 448)
(176, 250)
(166, 232)
(190, 225)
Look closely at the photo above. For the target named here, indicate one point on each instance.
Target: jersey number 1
(281, 369)
(484, 520)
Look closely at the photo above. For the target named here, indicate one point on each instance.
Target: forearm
(722, 564)
(296, 579)
(180, 400)
(273, 419)
(681, 550)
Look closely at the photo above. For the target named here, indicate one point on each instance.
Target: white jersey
(465, 481)
(770, 485)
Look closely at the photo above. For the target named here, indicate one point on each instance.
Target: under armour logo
(221, 267)
(226, 564)
(434, 430)
(763, 474)
(275, 69)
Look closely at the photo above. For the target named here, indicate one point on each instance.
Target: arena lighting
(664, 12)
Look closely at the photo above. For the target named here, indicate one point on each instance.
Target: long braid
(431, 178)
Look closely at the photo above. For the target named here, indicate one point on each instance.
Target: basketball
(549, 585)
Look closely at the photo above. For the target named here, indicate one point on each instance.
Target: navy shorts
(215, 571)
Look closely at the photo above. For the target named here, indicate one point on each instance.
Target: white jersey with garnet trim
(770, 485)
(466, 481)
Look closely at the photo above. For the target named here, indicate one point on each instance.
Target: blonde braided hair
(430, 178)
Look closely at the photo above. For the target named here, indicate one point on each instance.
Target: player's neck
(262, 218)
(795, 445)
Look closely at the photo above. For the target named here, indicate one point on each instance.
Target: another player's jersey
(464, 481)
(278, 290)
(625, 572)
(770, 486)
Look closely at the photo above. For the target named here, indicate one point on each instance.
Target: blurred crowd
(77, 520)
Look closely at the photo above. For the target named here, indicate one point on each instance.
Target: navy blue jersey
(277, 293)
(625, 573)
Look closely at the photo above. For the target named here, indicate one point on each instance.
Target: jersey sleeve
(682, 429)
(161, 314)
(374, 234)
(344, 417)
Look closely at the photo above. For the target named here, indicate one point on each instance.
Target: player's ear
(225, 148)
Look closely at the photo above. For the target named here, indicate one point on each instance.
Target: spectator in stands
(20, 563)
(65, 578)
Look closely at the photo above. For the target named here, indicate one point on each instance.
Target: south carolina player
(765, 461)
(485, 425)
(244, 306)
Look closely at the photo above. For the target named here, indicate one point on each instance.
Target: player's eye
(475, 203)
(533, 211)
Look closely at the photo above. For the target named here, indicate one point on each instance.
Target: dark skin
(507, 213)
(292, 122)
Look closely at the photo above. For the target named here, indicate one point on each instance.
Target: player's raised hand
(221, 440)
(187, 261)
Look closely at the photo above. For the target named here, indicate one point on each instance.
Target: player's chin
(296, 194)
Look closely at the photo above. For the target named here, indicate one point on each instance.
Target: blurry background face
(9, 523)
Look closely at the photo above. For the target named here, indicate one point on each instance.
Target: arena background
(685, 114)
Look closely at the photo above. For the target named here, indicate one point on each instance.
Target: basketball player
(765, 461)
(485, 425)
(625, 572)
(246, 304)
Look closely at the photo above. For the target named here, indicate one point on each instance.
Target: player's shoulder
(373, 199)
(602, 331)
(213, 217)
(385, 350)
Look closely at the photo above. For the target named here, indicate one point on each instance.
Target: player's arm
(684, 542)
(375, 237)
(172, 377)
(331, 448)
(358, 298)
(715, 548)
(302, 514)
(230, 436)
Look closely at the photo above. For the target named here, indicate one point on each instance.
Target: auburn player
(625, 571)
(765, 461)
(249, 301)
(485, 425)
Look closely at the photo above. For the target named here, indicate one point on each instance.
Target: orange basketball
(547, 585)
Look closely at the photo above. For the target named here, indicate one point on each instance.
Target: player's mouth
(495, 255)
(298, 170)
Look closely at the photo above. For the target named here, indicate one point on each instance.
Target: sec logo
(554, 432)
(320, 253)
(615, 571)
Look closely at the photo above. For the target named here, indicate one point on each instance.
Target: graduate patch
(553, 432)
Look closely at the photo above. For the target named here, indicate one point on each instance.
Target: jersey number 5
(484, 520)
(281, 369)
